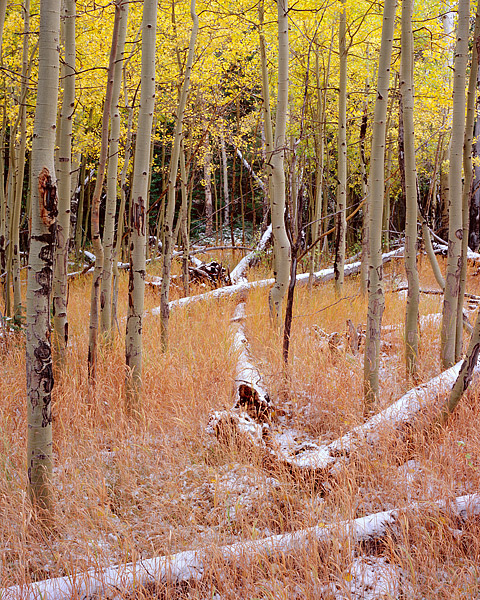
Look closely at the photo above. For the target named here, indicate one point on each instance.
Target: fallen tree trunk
(426, 399)
(250, 260)
(250, 392)
(116, 582)
(319, 277)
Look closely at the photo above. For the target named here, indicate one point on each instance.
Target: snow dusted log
(119, 581)
(426, 399)
(251, 259)
(250, 391)
(319, 277)
(246, 164)
(443, 249)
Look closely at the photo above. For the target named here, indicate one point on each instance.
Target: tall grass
(128, 489)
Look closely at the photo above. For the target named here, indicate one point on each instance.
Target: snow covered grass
(131, 490)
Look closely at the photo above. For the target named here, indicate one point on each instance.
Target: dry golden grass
(127, 489)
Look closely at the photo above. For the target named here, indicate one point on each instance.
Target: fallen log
(250, 260)
(190, 566)
(228, 291)
(426, 398)
(250, 392)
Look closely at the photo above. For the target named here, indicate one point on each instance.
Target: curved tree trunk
(39, 283)
(455, 225)
(60, 285)
(376, 301)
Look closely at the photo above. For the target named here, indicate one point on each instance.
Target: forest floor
(128, 490)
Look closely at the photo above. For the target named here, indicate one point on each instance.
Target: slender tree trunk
(138, 211)
(406, 90)
(364, 188)
(207, 176)
(455, 224)
(19, 148)
(267, 116)
(474, 221)
(281, 244)
(3, 12)
(60, 285)
(376, 301)
(123, 200)
(468, 179)
(80, 209)
(341, 207)
(39, 284)
(95, 216)
(112, 177)
(172, 180)
(226, 194)
(184, 222)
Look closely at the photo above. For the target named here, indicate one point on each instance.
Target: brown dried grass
(127, 489)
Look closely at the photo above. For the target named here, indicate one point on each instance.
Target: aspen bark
(123, 200)
(95, 215)
(19, 135)
(406, 91)
(455, 225)
(184, 222)
(207, 176)
(112, 177)
(3, 12)
(341, 206)
(226, 194)
(172, 180)
(39, 284)
(376, 301)
(267, 116)
(468, 179)
(364, 188)
(60, 285)
(281, 244)
(138, 210)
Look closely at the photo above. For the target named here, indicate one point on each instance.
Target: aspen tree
(95, 299)
(19, 135)
(39, 283)
(138, 210)
(3, 11)
(112, 177)
(341, 206)
(468, 178)
(207, 176)
(448, 349)
(281, 243)
(172, 181)
(266, 108)
(123, 201)
(406, 91)
(60, 285)
(226, 193)
(375, 209)
(364, 191)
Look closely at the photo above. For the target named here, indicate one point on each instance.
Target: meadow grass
(127, 489)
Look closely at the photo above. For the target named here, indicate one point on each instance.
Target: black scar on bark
(44, 280)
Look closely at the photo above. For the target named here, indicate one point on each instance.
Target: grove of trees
(138, 132)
